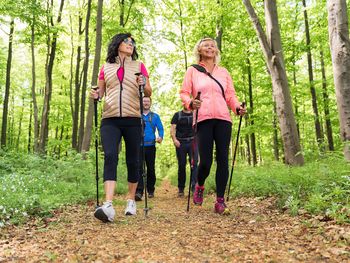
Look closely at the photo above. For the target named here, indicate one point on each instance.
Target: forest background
(50, 55)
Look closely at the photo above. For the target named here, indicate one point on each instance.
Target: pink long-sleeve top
(213, 104)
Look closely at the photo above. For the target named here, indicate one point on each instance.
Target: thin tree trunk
(71, 70)
(7, 87)
(274, 59)
(219, 30)
(77, 89)
(20, 125)
(251, 111)
(182, 30)
(90, 113)
(48, 88)
(35, 104)
(326, 105)
(29, 146)
(84, 84)
(319, 135)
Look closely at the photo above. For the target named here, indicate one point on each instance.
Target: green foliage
(320, 187)
(34, 186)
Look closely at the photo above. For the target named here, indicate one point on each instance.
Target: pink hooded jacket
(213, 104)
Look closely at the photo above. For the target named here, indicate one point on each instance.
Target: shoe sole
(137, 198)
(129, 214)
(100, 215)
(225, 212)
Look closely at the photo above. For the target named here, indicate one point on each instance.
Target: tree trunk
(48, 88)
(326, 105)
(249, 159)
(89, 118)
(29, 146)
(219, 30)
(340, 49)
(319, 135)
(71, 70)
(77, 89)
(84, 84)
(274, 59)
(182, 30)
(7, 86)
(20, 126)
(35, 104)
(251, 111)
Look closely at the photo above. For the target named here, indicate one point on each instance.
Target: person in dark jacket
(182, 135)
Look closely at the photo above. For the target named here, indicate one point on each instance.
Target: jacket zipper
(121, 89)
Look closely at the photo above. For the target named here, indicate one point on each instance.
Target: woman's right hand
(195, 104)
(94, 93)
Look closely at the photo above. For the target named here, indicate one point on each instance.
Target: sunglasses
(129, 41)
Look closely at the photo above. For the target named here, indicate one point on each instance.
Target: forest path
(255, 231)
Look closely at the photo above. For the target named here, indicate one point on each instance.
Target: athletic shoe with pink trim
(198, 195)
(220, 206)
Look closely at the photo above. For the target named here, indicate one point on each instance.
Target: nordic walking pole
(194, 145)
(96, 147)
(143, 167)
(234, 153)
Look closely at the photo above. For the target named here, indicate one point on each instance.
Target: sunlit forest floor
(255, 231)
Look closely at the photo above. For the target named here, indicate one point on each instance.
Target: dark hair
(148, 97)
(113, 47)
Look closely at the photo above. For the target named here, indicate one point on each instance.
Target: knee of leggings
(111, 158)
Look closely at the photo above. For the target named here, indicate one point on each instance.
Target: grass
(319, 187)
(34, 186)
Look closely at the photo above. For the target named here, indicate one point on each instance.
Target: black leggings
(208, 132)
(112, 130)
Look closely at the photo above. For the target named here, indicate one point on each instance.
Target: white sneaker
(105, 213)
(130, 209)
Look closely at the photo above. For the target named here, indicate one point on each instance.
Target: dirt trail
(254, 232)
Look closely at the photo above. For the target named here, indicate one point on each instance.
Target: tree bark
(35, 104)
(251, 112)
(48, 88)
(89, 117)
(326, 105)
(7, 86)
(84, 84)
(274, 59)
(77, 89)
(319, 135)
(338, 29)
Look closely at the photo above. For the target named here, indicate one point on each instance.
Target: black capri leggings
(208, 132)
(112, 130)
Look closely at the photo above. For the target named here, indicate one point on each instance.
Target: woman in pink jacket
(214, 122)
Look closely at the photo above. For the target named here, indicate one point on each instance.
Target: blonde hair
(198, 45)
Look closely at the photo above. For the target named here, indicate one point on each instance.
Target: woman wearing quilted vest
(214, 122)
(121, 117)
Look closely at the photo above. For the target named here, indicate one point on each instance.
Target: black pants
(208, 132)
(186, 149)
(150, 157)
(112, 130)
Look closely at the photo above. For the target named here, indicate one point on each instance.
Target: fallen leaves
(253, 232)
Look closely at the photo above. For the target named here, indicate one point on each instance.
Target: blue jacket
(152, 122)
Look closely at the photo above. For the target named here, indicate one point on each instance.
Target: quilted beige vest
(122, 99)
